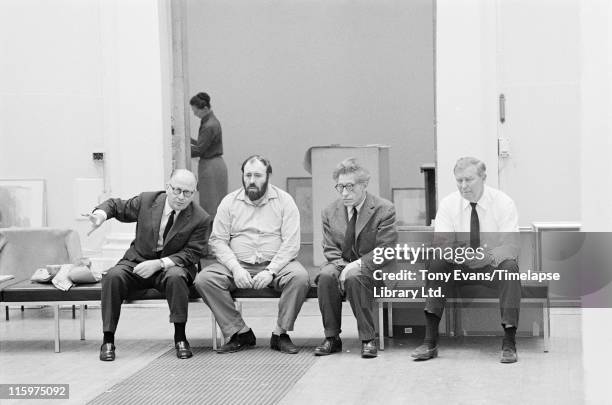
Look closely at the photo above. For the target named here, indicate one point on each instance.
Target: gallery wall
(285, 76)
(79, 77)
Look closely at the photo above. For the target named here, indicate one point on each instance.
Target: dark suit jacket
(375, 227)
(186, 241)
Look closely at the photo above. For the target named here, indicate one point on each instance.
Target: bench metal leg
(57, 330)
(390, 319)
(546, 324)
(82, 310)
(22, 308)
(447, 320)
(213, 333)
(381, 326)
(73, 311)
(7, 312)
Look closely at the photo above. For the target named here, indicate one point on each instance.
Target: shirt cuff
(273, 268)
(233, 265)
(101, 212)
(167, 262)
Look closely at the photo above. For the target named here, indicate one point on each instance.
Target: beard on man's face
(253, 192)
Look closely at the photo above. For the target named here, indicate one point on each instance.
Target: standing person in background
(212, 171)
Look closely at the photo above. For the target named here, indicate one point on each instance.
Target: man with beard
(256, 238)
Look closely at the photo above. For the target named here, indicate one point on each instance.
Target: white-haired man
(484, 218)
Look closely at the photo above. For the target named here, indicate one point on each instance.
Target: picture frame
(409, 206)
(22, 203)
(300, 188)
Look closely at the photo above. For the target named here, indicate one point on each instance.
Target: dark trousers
(359, 291)
(121, 280)
(509, 292)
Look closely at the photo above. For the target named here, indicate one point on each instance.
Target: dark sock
(510, 334)
(431, 329)
(179, 332)
(109, 337)
(366, 341)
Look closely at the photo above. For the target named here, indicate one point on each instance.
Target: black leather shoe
(330, 345)
(238, 341)
(107, 352)
(283, 344)
(508, 354)
(425, 352)
(368, 349)
(183, 351)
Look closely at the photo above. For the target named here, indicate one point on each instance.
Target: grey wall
(285, 76)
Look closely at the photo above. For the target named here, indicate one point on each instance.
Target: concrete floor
(467, 371)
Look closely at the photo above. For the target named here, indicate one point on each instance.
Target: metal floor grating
(254, 376)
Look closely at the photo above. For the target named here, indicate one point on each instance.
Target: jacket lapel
(341, 216)
(157, 210)
(366, 212)
(179, 223)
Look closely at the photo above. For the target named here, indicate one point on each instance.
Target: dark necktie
(169, 225)
(474, 228)
(349, 239)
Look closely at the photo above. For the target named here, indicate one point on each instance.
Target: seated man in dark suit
(171, 237)
(353, 226)
(490, 219)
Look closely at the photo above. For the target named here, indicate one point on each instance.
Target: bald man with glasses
(171, 237)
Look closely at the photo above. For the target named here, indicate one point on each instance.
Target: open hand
(95, 219)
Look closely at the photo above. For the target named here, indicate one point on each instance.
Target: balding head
(181, 188)
(184, 176)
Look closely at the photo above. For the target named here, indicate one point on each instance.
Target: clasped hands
(342, 277)
(243, 279)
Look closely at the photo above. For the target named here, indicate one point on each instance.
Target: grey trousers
(215, 284)
(359, 290)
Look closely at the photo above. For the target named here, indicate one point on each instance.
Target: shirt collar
(168, 209)
(484, 202)
(207, 116)
(358, 206)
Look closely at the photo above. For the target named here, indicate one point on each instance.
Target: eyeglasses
(178, 191)
(341, 187)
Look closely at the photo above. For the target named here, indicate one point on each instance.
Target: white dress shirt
(497, 215)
